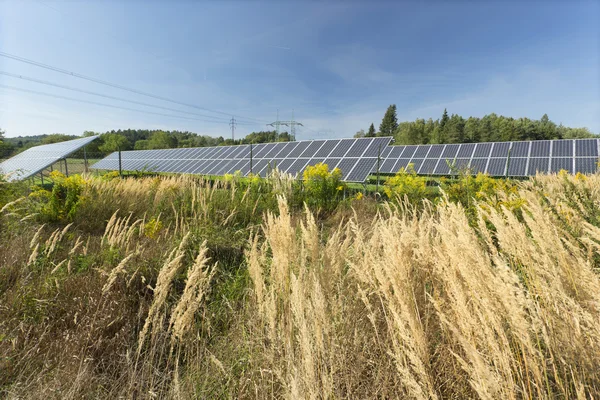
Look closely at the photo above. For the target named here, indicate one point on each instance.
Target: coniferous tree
(389, 123)
(371, 132)
(445, 119)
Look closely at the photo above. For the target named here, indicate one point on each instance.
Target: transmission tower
(292, 124)
(232, 124)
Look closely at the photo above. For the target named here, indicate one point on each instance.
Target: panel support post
(42, 176)
(66, 168)
(85, 161)
(120, 170)
(378, 166)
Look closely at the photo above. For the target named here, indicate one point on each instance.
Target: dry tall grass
(404, 303)
(425, 306)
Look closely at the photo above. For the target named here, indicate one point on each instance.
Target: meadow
(179, 287)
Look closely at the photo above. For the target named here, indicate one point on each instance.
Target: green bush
(324, 189)
(61, 203)
(406, 184)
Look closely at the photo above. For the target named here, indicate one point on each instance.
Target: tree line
(456, 129)
(135, 139)
(446, 129)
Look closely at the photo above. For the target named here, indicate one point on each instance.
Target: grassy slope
(171, 287)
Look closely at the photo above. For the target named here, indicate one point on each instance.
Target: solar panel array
(495, 158)
(356, 158)
(38, 158)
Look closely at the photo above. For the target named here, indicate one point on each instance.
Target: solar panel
(586, 148)
(297, 166)
(416, 162)
(287, 149)
(274, 164)
(193, 166)
(225, 167)
(387, 166)
(421, 151)
(478, 165)
(520, 149)
(466, 150)
(586, 165)
(428, 166)
(482, 150)
(38, 158)
(500, 149)
(496, 166)
(285, 164)
(348, 154)
(442, 167)
(402, 163)
(245, 169)
(461, 164)
(561, 163)
(450, 151)
(361, 170)
(239, 164)
(275, 150)
(327, 148)
(312, 149)
(269, 166)
(387, 150)
(214, 166)
(244, 152)
(358, 148)
(262, 151)
(296, 151)
(396, 151)
(517, 166)
(436, 151)
(540, 148)
(538, 165)
(409, 151)
(377, 146)
(346, 165)
(342, 148)
(227, 154)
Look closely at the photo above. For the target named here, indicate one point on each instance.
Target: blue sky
(337, 64)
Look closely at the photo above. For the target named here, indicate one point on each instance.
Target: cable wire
(220, 119)
(114, 85)
(107, 105)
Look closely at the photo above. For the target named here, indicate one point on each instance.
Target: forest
(456, 129)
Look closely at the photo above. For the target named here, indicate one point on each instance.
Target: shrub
(406, 184)
(496, 192)
(152, 228)
(324, 188)
(109, 176)
(62, 202)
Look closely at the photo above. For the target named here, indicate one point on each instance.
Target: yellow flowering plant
(61, 203)
(406, 184)
(324, 188)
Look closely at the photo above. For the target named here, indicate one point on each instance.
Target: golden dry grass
(427, 303)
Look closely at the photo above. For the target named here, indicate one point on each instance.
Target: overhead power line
(114, 85)
(43, 82)
(104, 104)
(220, 119)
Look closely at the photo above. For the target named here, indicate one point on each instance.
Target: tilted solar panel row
(495, 158)
(354, 157)
(38, 158)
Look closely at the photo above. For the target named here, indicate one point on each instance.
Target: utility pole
(232, 124)
(292, 124)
